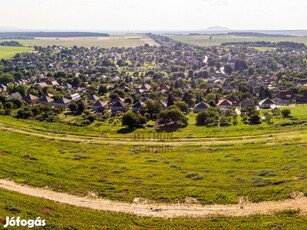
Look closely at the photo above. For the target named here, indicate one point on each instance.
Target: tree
(173, 117)
(253, 117)
(251, 71)
(285, 113)
(211, 99)
(209, 117)
(240, 65)
(60, 74)
(1, 107)
(153, 107)
(73, 107)
(6, 78)
(228, 69)
(170, 100)
(188, 98)
(24, 113)
(182, 106)
(102, 90)
(22, 89)
(76, 82)
(225, 121)
(119, 92)
(133, 120)
(81, 107)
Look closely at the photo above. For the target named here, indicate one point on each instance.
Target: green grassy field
(203, 40)
(59, 216)
(7, 52)
(216, 170)
(105, 42)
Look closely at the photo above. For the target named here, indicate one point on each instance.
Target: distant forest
(293, 45)
(255, 34)
(29, 35)
(11, 43)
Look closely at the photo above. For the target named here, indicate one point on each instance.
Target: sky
(153, 15)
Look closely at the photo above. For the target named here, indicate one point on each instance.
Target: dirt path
(274, 138)
(159, 210)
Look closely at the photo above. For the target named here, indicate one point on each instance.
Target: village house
(74, 97)
(118, 107)
(164, 89)
(67, 86)
(31, 99)
(62, 103)
(49, 95)
(15, 96)
(248, 103)
(99, 106)
(266, 103)
(202, 106)
(286, 97)
(93, 98)
(53, 83)
(144, 88)
(234, 100)
(2, 88)
(225, 104)
(45, 100)
(163, 105)
(40, 85)
(137, 106)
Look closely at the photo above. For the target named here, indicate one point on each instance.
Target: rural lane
(159, 210)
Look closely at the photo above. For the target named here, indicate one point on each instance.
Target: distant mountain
(217, 28)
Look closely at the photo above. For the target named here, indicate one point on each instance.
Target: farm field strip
(204, 40)
(132, 40)
(160, 210)
(6, 52)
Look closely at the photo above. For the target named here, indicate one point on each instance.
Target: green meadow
(213, 165)
(6, 52)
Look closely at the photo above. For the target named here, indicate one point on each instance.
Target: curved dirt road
(274, 138)
(159, 210)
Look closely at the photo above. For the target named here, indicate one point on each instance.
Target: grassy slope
(203, 40)
(265, 170)
(110, 128)
(7, 52)
(60, 216)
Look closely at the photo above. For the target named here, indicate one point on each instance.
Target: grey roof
(63, 101)
(46, 99)
(202, 105)
(93, 98)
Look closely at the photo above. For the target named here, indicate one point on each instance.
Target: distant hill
(26, 35)
(217, 28)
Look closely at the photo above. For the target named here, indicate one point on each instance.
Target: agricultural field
(105, 42)
(263, 165)
(7, 52)
(204, 40)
